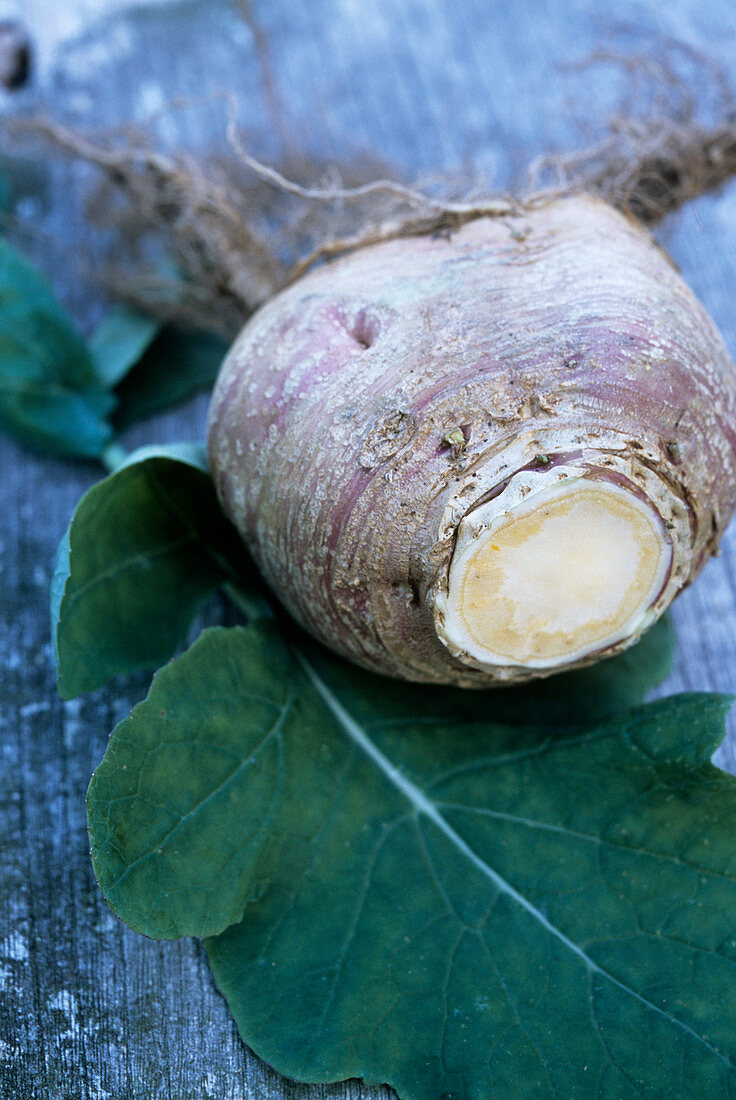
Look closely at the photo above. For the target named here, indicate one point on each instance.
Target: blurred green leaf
(50, 396)
(120, 341)
(176, 365)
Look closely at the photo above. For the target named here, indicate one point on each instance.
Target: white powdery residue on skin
(291, 385)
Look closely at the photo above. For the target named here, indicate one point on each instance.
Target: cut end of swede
(543, 576)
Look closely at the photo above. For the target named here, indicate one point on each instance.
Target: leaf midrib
(422, 805)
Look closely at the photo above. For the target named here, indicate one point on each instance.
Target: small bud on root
(596, 469)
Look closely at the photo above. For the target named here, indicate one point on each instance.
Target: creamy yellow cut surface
(563, 573)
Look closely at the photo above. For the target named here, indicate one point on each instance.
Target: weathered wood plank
(87, 1009)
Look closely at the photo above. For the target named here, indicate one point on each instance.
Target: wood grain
(88, 1010)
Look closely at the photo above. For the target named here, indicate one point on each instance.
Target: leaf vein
(422, 804)
(273, 733)
(605, 842)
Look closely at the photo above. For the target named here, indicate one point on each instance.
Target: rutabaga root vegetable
(485, 456)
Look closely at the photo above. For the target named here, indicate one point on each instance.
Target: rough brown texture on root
(548, 346)
(238, 230)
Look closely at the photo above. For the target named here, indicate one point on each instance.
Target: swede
(485, 456)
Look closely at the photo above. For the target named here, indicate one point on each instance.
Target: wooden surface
(88, 1010)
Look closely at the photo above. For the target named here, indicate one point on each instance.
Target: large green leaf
(120, 341)
(144, 549)
(50, 396)
(564, 701)
(460, 907)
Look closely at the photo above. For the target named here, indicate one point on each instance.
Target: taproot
(482, 456)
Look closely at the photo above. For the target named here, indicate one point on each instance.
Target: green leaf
(50, 397)
(120, 341)
(145, 548)
(460, 908)
(176, 365)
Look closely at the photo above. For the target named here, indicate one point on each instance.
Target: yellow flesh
(558, 577)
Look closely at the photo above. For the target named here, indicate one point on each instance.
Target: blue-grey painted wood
(88, 1010)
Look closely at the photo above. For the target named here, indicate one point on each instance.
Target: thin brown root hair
(655, 159)
(651, 169)
(236, 230)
